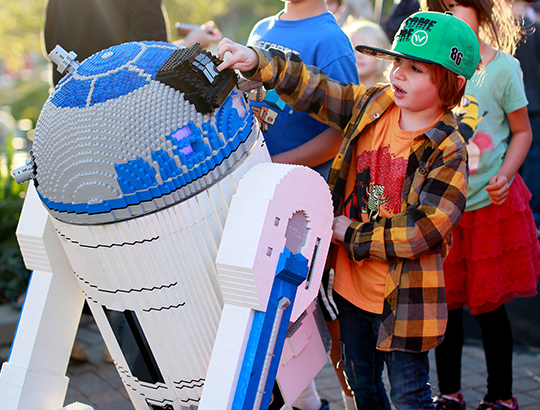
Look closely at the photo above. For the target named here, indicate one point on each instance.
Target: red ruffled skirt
(495, 254)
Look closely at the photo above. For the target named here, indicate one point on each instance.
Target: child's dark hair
(498, 28)
(447, 82)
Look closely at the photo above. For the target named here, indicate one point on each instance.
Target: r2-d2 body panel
(138, 181)
(137, 155)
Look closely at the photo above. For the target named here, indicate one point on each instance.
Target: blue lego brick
(291, 271)
(116, 85)
(137, 178)
(135, 175)
(273, 97)
(154, 58)
(249, 358)
(292, 268)
(104, 61)
(74, 93)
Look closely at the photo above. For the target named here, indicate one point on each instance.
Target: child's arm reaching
(312, 153)
(520, 142)
(304, 88)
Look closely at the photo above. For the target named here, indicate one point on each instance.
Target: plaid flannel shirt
(414, 242)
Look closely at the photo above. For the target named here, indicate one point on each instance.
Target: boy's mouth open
(398, 92)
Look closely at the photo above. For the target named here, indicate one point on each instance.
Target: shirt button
(376, 115)
(422, 171)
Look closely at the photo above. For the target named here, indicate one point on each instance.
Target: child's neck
(487, 53)
(303, 9)
(417, 120)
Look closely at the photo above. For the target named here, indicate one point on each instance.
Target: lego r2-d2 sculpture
(154, 199)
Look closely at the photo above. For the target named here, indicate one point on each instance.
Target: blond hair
(374, 36)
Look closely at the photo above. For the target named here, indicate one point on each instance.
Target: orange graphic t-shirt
(373, 191)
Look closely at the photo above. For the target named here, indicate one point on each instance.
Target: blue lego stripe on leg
(291, 271)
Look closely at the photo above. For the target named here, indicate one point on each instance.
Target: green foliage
(26, 98)
(13, 274)
(234, 18)
(20, 26)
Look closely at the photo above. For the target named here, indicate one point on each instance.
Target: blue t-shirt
(318, 41)
(489, 96)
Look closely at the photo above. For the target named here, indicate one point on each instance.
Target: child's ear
(462, 81)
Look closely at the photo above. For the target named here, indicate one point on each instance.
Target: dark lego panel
(193, 71)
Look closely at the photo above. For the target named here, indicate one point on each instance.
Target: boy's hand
(242, 58)
(339, 227)
(498, 189)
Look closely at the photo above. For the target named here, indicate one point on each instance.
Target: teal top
(491, 94)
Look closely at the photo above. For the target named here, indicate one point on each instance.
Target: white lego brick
(267, 192)
(226, 361)
(48, 323)
(49, 319)
(227, 188)
(77, 406)
(32, 226)
(25, 389)
(219, 202)
(33, 215)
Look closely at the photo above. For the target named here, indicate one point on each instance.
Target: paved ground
(98, 384)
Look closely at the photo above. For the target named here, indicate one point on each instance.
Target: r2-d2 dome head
(136, 128)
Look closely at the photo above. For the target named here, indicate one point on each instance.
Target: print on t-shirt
(468, 117)
(379, 182)
(266, 114)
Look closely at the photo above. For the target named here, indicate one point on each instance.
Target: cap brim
(387, 54)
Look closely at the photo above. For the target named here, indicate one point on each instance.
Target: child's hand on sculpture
(242, 58)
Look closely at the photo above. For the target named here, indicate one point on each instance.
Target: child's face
(467, 14)
(368, 66)
(412, 87)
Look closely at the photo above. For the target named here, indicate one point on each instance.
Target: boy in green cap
(399, 186)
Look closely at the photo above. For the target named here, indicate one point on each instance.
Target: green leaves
(13, 274)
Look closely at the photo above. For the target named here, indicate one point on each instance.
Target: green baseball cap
(435, 38)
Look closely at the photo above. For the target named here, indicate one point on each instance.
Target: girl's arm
(521, 139)
(205, 35)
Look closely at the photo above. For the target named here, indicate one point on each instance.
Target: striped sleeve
(306, 88)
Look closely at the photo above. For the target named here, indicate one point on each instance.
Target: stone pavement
(98, 384)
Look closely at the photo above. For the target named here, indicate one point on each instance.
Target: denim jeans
(363, 364)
